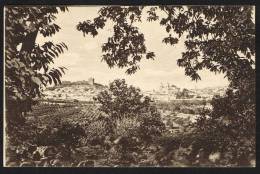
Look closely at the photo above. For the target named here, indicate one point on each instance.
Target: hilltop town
(77, 91)
(170, 92)
(86, 90)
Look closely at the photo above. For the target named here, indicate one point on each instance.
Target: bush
(152, 124)
(62, 133)
(70, 134)
(26, 139)
(135, 132)
(127, 127)
(97, 130)
(19, 141)
(228, 129)
(127, 134)
(143, 126)
(127, 108)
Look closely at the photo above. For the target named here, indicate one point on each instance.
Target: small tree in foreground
(120, 100)
(135, 121)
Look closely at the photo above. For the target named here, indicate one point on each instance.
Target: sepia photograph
(129, 86)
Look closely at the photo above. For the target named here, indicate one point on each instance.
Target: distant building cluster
(86, 90)
(208, 93)
(171, 92)
(165, 93)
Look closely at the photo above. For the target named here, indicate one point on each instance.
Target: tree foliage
(121, 100)
(218, 38)
(27, 64)
(130, 113)
(231, 126)
(126, 47)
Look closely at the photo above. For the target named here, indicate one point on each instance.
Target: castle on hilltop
(91, 81)
(83, 90)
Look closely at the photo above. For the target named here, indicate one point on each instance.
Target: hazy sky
(83, 59)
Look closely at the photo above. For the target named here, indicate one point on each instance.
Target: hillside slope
(80, 90)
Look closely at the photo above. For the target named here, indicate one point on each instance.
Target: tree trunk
(29, 41)
(14, 108)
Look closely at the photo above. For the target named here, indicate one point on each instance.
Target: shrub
(228, 129)
(127, 108)
(127, 134)
(96, 131)
(127, 127)
(62, 133)
(143, 126)
(151, 124)
(135, 121)
(134, 132)
(69, 134)
(26, 139)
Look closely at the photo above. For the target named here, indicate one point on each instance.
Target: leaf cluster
(126, 47)
(120, 100)
(27, 64)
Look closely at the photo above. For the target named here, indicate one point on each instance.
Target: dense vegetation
(218, 38)
(84, 134)
(129, 128)
(27, 64)
(79, 134)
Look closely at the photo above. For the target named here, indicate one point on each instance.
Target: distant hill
(209, 92)
(171, 92)
(79, 90)
(85, 90)
(90, 82)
